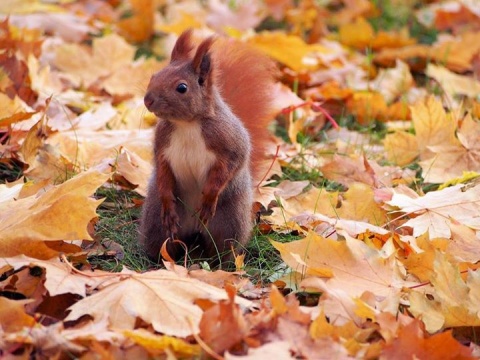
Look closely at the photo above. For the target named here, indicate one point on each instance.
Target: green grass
(262, 259)
(116, 229)
(10, 170)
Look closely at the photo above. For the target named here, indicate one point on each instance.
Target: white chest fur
(189, 159)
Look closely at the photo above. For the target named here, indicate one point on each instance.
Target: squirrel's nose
(148, 100)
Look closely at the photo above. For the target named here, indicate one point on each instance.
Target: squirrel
(214, 102)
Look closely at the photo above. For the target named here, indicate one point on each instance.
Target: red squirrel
(214, 102)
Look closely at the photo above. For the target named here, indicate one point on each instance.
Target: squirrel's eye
(182, 88)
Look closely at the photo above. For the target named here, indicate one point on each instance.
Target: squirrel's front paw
(206, 212)
(170, 222)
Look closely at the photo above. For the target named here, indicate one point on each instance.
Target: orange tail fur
(245, 77)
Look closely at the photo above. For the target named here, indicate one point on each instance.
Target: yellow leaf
(394, 82)
(401, 147)
(432, 126)
(451, 160)
(455, 302)
(456, 54)
(90, 67)
(289, 50)
(157, 344)
(359, 204)
(454, 84)
(367, 106)
(352, 265)
(186, 21)
(320, 327)
(13, 316)
(314, 201)
(466, 176)
(62, 212)
(139, 26)
(358, 34)
(385, 39)
(27, 7)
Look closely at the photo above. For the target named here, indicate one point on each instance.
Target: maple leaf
(59, 277)
(222, 325)
(455, 302)
(464, 243)
(456, 54)
(351, 264)
(313, 201)
(432, 126)
(159, 344)
(279, 350)
(62, 212)
(451, 161)
(401, 147)
(13, 316)
(243, 17)
(433, 213)
(88, 68)
(411, 343)
(173, 298)
(288, 49)
(453, 84)
(358, 203)
(392, 83)
(138, 26)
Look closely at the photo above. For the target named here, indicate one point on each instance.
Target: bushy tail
(246, 79)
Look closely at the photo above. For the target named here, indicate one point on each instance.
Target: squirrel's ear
(202, 62)
(183, 46)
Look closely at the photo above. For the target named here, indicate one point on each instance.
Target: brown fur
(201, 188)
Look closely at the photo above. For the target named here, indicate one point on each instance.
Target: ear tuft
(202, 61)
(183, 46)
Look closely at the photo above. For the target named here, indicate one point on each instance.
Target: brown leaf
(222, 326)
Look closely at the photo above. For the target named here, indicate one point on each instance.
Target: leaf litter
(388, 255)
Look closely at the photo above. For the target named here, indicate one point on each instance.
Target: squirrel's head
(182, 91)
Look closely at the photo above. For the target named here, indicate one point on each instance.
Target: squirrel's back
(246, 78)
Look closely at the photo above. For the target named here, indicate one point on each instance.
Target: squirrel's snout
(148, 100)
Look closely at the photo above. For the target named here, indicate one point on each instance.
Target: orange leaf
(412, 344)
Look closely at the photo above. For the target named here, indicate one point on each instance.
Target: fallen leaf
(350, 264)
(450, 161)
(176, 313)
(61, 213)
(433, 126)
(433, 212)
(290, 50)
(222, 325)
(464, 244)
(161, 344)
(456, 54)
(13, 316)
(138, 26)
(401, 147)
(412, 343)
(453, 84)
(358, 34)
(393, 83)
(90, 67)
(454, 301)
